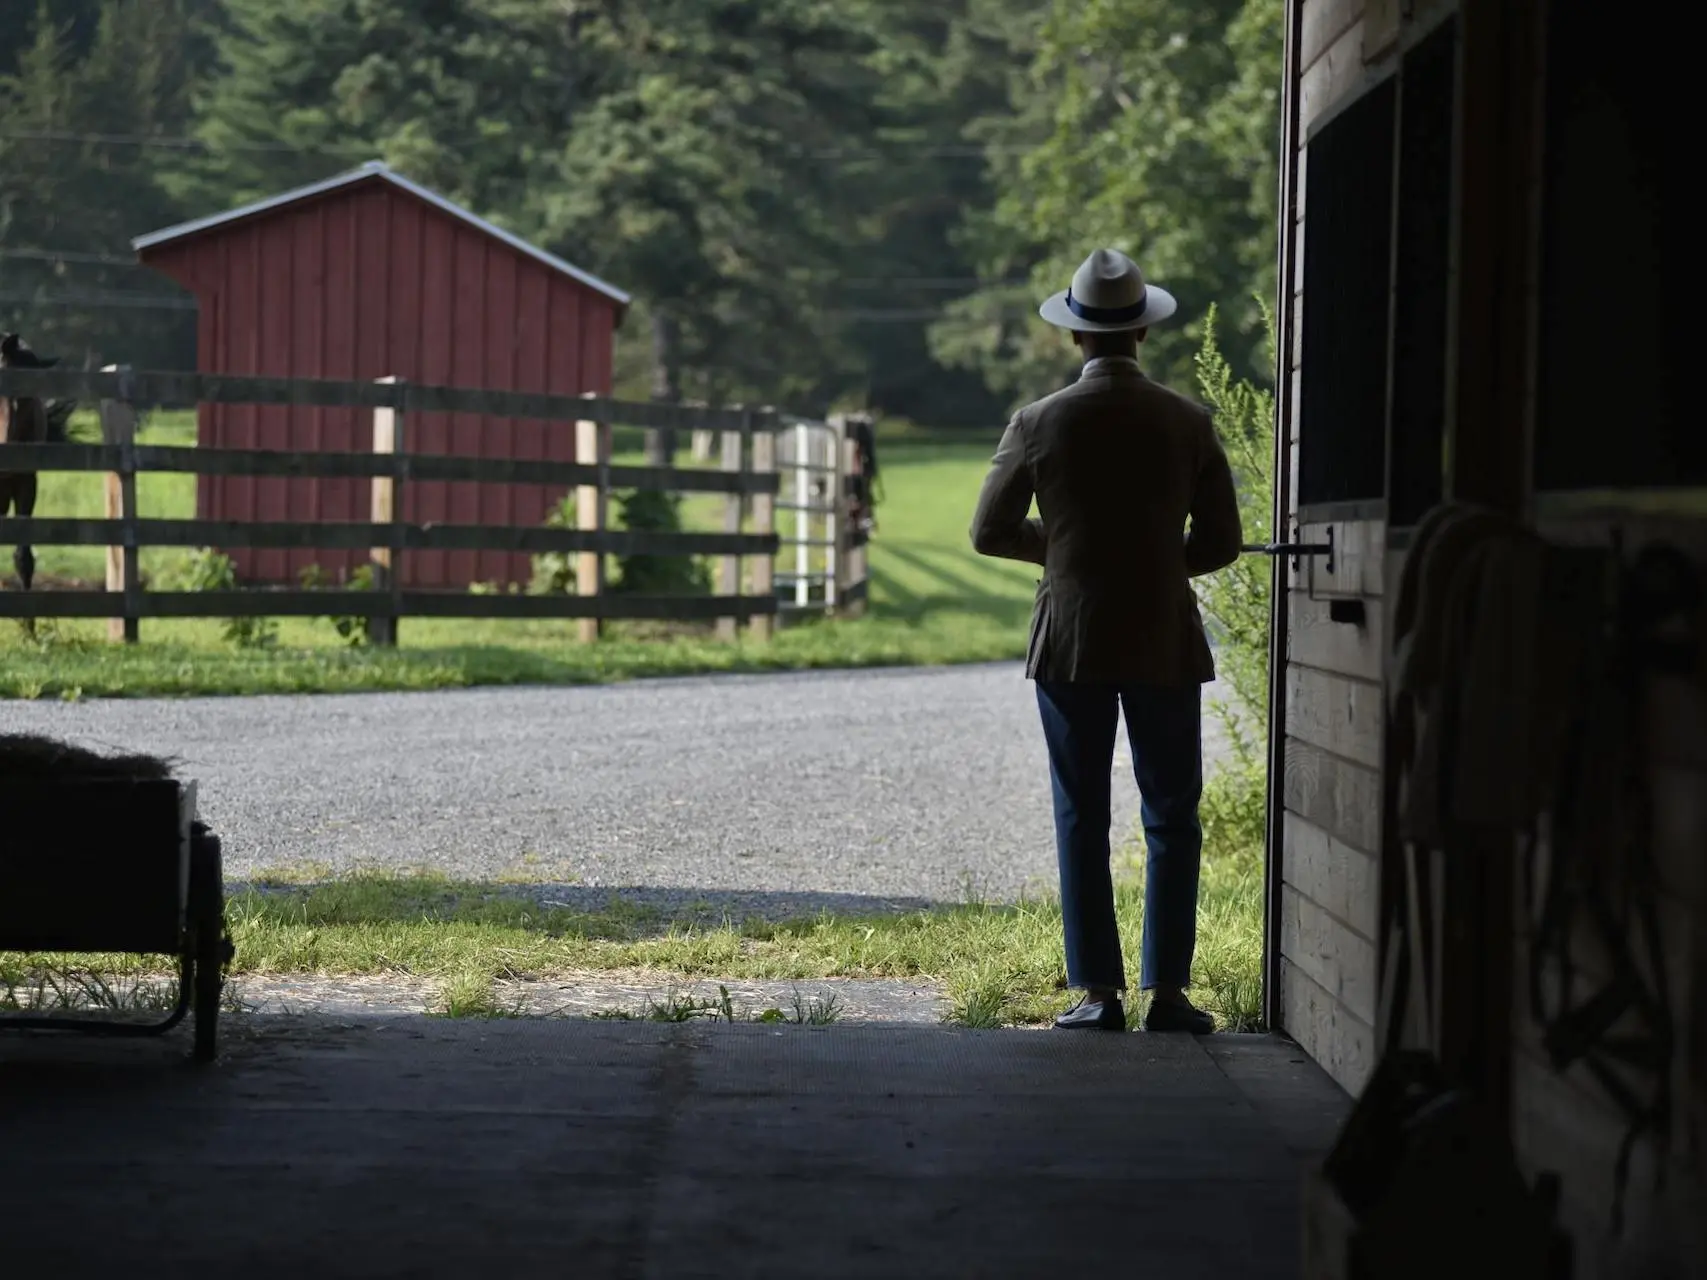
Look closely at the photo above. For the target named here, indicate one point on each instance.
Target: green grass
(1000, 964)
(802, 1012)
(933, 601)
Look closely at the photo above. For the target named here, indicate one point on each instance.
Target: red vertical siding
(334, 356)
(368, 281)
(307, 288)
(404, 295)
(497, 505)
(270, 251)
(533, 353)
(240, 340)
(468, 341)
(431, 432)
(374, 266)
(563, 334)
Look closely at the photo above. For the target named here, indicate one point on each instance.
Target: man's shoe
(1093, 1015)
(1177, 1015)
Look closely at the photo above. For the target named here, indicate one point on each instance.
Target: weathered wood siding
(1333, 724)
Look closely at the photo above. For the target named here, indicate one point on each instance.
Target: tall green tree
(1158, 123)
(938, 67)
(77, 180)
(461, 95)
(694, 177)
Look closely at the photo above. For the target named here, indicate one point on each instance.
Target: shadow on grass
(998, 597)
(614, 913)
(999, 964)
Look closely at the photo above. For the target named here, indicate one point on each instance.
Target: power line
(69, 255)
(926, 282)
(846, 282)
(171, 143)
(94, 299)
(101, 298)
(928, 150)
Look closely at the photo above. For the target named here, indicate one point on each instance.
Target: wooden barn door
(1368, 260)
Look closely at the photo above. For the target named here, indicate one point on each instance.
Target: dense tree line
(815, 203)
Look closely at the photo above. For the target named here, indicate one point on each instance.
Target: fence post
(835, 498)
(387, 508)
(852, 562)
(729, 569)
(118, 427)
(764, 522)
(592, 502)
(803, 507)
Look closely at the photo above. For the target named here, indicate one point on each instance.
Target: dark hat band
(1108, 315)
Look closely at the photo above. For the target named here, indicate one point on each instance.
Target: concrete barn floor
(553, 1148)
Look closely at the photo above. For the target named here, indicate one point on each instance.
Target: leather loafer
(1093, 1015)
(1177, 1015)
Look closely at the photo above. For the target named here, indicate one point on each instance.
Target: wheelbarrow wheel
(209, 947)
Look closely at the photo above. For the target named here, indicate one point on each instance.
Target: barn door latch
(1297, 550)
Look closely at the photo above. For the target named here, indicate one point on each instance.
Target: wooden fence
(747, 477)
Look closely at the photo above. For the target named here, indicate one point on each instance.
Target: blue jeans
(1165, 728)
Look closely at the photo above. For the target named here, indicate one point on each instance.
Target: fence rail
(746, 477)
(50, 531)
(264, 602)
(187, 390)
(331, 465)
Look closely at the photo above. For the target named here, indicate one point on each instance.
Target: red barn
(368, 275)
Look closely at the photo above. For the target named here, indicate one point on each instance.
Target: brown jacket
(1118, 463)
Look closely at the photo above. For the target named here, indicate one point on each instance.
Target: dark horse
(25, 420)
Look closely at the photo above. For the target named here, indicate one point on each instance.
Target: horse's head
(15, 353)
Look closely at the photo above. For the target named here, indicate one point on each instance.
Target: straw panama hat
(1108, 295)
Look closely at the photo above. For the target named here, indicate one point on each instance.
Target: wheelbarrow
(103, 865)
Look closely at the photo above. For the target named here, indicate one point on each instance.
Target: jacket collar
(1110, 366)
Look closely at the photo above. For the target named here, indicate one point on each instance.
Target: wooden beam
(54, 531)
(729, 566)
(1331, 78)
(261, 603)
(1337, 714)
(421, 466)
(1344, 881)
(1290, 241)
(1322, 23)
(186, 390)
(764, 526)
(1339, 960)
(118, 432)
(386, 508)
(1490, 361)
(1337, 1039)
(1491, 323)
(1340, 797)
(1345, 648)
(851, 555)
(592, 517)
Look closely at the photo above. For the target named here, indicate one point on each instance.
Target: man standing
(1118, 465)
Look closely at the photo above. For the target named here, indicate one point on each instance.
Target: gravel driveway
(777, 793)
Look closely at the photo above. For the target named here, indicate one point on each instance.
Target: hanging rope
(1518, 671)
(1603, 871)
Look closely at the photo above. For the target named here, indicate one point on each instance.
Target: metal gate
(822, 559)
